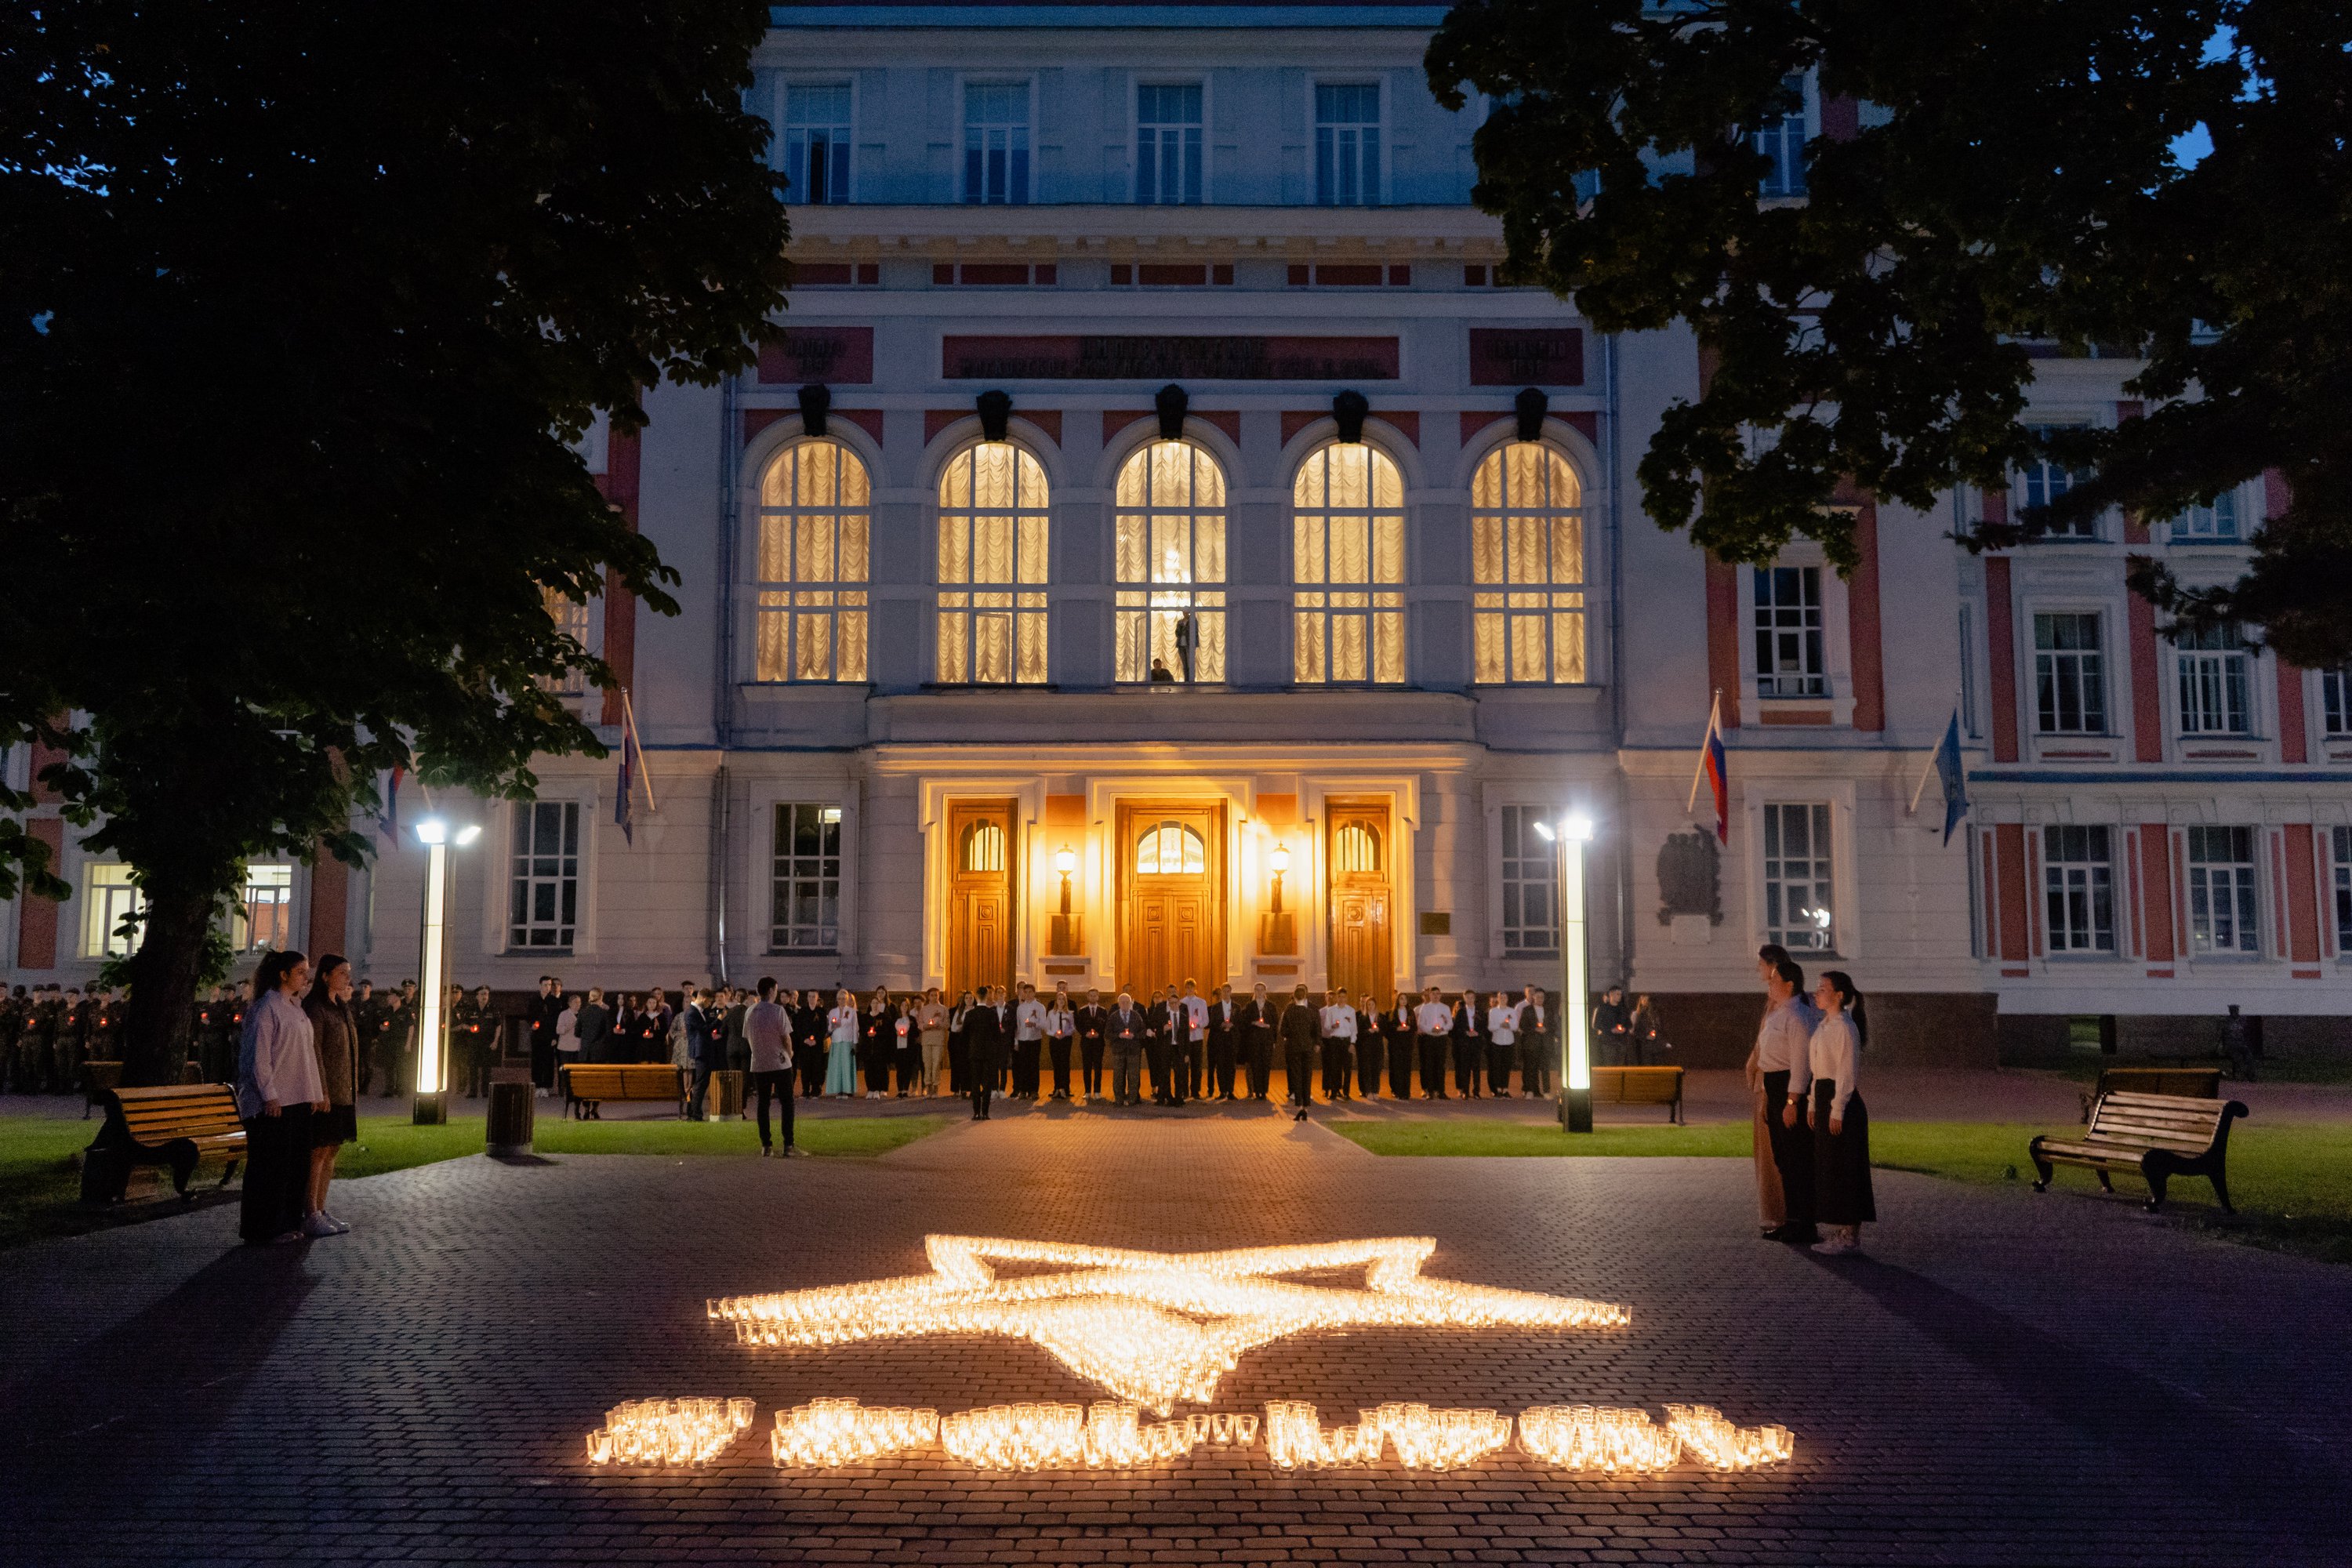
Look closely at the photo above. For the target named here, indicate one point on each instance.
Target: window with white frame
(2043, 479)
(2078, 888)
(816, 142)
(109, 898)
(1526, 563)
(2069, 674)
(2215, 680)
(1348, 568)
(1530, 881)
(2341, 842)
(2336, 700)
(1168, 143)
(1780, 139)
(1348, 144)
(2222, 907)
(572, 618)
(812, 560)
(1170, 522)
(806, 913)
(1787, 613)
(996, 143)
(2213, 523)
(543, 878)
(1799, 895)
(264, 917)
(991, 567)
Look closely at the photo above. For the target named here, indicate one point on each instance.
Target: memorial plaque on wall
(1160, 357)
(1512, 356)
(838, 356)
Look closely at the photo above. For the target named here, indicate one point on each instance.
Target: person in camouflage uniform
(38, 1040)
(68, 1045)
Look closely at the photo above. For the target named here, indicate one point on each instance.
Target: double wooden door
(1171, 896)
(1359, 852)
(981, 850)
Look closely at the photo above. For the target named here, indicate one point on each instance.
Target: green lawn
(2293, 1185)
(40, 1189)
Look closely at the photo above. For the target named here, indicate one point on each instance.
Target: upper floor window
(2223, 907)
(2340, 843)
(1168, 143)
(1527, 556)
(812, 598)
(1789, 632)
(1781, 141)
(112, 897)
(2070, 683)
(2042, 480)
(1348, 144)
(2336, 700)
(2214, 523)
(543, 884)
(996, 142)
(263, 918)
(1170, 526)
(991, 567)
(570, 618)
(1347, 565)
(2216, 681)
(2078, 886)
(816, 141)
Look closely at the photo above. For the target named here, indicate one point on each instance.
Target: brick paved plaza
(2006, 1378)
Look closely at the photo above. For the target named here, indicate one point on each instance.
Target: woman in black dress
(1839, 1121)
(874, 1040)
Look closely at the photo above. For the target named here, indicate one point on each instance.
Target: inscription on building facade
(1513, 356)
(1106, 357)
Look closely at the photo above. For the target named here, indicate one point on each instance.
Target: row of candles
(1113, 1435)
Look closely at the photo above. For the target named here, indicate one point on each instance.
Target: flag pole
(644, 775)
(1714, 713)
(1921, 787)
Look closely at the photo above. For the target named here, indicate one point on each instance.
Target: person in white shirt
(932, 1018)
(1028, 1043)
(1433, 1026)
(841, 1046)
(1502, 1043)
(1839, 1121)
(278, 1089)
(1783, 1060)
(1190, 1014)
(1061, 1031)
(1336, 1025)
(567, 1036)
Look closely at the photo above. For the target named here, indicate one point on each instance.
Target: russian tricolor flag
(1713, 769)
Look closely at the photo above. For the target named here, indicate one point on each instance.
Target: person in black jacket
(545, 1008)
(987, 1034)
(1398, 1021)
(1470, 1047)
(1093, 1020)
(1301, 1034)
(1225, 1041)
(1258, 1016)
(1159, 1052)
(1371, 1045)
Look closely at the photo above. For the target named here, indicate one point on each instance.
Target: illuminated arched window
(1526, 563)
(1171, 849)
(983, 847)
(1348, 605)
(1172, 540)
(813, 520)
(1355, 847)
(991, 565)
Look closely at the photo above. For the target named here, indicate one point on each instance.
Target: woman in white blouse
(841, 1046)
(279, 1088)
(1839, 1121)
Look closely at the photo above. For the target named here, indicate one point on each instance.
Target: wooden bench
(2191, 1082)
(1640, 1086)
(2157, 1136)
(587, 1084)
(177, 1126)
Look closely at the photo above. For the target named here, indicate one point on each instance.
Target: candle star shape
(1153, 1327)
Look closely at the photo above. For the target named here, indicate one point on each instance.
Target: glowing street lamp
(1575, 831)
(432, 1101)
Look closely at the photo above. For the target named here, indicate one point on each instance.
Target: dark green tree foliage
(2016, 181)
(300, 309)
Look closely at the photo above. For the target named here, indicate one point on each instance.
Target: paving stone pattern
(2005, 1379)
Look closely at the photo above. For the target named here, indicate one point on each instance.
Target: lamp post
(1575, 831)
(432, 1101)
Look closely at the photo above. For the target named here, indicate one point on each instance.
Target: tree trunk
(163, 987)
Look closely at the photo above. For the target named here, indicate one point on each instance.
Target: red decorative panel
(2147, 695)
(1514, 357)
(1406, 423)
(36, 922)
(1865, 649)
(624, 460)
(2155, 882)
(2302, 889)
(2008, 840)
(330, 893)
(2000, 648)
(1161, 357)
(938, 419)
(2295, 726)
(1294, 420)
(838, 356)
(1723, 637)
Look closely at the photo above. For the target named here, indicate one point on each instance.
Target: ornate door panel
(1171, 925)
(980, 894)
(1359, 854)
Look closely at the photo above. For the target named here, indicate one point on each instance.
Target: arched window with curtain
(1348, 568)
(1527, 560)
(815, 501)
(991, 567)
(1170, 560)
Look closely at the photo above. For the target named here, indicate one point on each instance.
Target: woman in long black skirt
(1840, 1121)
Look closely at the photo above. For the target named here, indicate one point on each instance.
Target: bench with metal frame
(2155, 1136)
(179, 1126)
(1640, 1086)
(2189, 1082)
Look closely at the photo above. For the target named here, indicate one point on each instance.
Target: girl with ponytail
(1840, 1121)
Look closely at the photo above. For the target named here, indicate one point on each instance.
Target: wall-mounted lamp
(1280, 861)
(1066, 860)
(1066, 939)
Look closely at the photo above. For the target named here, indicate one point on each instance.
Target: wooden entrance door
(980, 855)
(1358, 853)
(1172, 905)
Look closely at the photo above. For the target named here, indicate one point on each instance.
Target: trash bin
(512, 1107)
(726, 1096)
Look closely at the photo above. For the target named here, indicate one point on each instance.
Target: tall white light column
(1575, 1022)
(432, 1089)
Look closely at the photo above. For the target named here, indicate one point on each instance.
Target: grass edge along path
(40, 1188)
(2293, 1185)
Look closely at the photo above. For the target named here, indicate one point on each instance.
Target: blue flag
(1953, 777)
(624, 792)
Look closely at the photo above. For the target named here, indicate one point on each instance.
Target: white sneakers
(1842, 1240)
(318, 1225)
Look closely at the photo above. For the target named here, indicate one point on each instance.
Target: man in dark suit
(1160, 1052)
(987, 1033)
(1470, 1047)
(1300, 1029)
(1258, 1016)
(1225, 1041)
(707, 1045)
(1094, 1020)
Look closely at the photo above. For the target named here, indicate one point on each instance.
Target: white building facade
(1128, 334)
